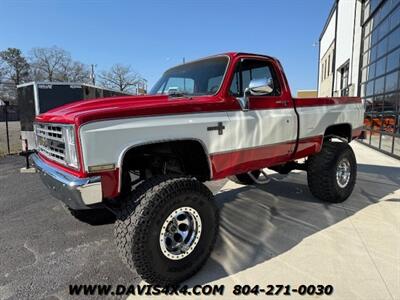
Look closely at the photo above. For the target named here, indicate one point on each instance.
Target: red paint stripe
(226, 164)
(306, 102)
(308, 146)
(240, 161)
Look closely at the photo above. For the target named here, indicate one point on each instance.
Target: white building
(360, 56)
(340, 50)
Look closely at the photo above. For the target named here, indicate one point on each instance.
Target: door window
(248, 70)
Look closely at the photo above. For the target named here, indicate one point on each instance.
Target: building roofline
(332, 11)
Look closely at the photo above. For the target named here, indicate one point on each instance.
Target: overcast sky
(152, 36)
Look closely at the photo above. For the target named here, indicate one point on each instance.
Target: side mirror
(172, 90)
(257, 87)
(261, 86)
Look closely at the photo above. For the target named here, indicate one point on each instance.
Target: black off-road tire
(141, 217)
(322, 168)
(244, 178)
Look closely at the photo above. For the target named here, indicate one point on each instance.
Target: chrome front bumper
(75, 192)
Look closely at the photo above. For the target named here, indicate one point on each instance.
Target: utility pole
(92, 76)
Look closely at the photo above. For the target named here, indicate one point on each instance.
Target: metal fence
(12, 111)
(9, 129)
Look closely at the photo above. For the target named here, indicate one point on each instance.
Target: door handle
(284, 102)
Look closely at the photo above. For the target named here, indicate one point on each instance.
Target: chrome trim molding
(39, 126)
(75, 192)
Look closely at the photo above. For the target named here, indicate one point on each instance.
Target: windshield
(203, 77)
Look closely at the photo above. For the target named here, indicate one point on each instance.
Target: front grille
(50, 141)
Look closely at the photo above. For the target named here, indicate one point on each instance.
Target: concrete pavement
(272, 234)
(280, 234)
(44, 249)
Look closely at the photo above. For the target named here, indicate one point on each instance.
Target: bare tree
(63, 71)
(8, 92)
(120, 77)
(79, 72)
(47, 63)
(14, 66)
(2, 70)
(14, 70)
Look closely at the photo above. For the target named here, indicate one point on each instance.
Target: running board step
(260, 181)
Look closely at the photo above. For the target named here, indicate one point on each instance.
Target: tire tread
(321, 168)
(137, 212)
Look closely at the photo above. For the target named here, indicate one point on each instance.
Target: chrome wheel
(343, 173)
(180, 233)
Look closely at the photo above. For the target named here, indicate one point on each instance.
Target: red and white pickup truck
(145, 157)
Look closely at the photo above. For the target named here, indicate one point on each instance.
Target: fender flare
(348, 140)
(133, 146)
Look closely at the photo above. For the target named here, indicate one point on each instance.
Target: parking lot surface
(278, 234)
(272, 234)
(14, 131)
(43, 248)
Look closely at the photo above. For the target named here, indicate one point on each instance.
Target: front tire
(167, 229)
(332, 173)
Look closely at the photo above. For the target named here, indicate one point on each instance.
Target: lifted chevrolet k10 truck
(145, 157)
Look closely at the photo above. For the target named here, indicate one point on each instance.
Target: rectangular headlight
(71, 158)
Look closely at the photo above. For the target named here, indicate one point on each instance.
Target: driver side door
(265, 133)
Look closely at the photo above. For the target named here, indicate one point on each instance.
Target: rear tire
(332, 173)
(151, 238)
(244, 178)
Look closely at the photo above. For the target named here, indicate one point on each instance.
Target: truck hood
(128, 106)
